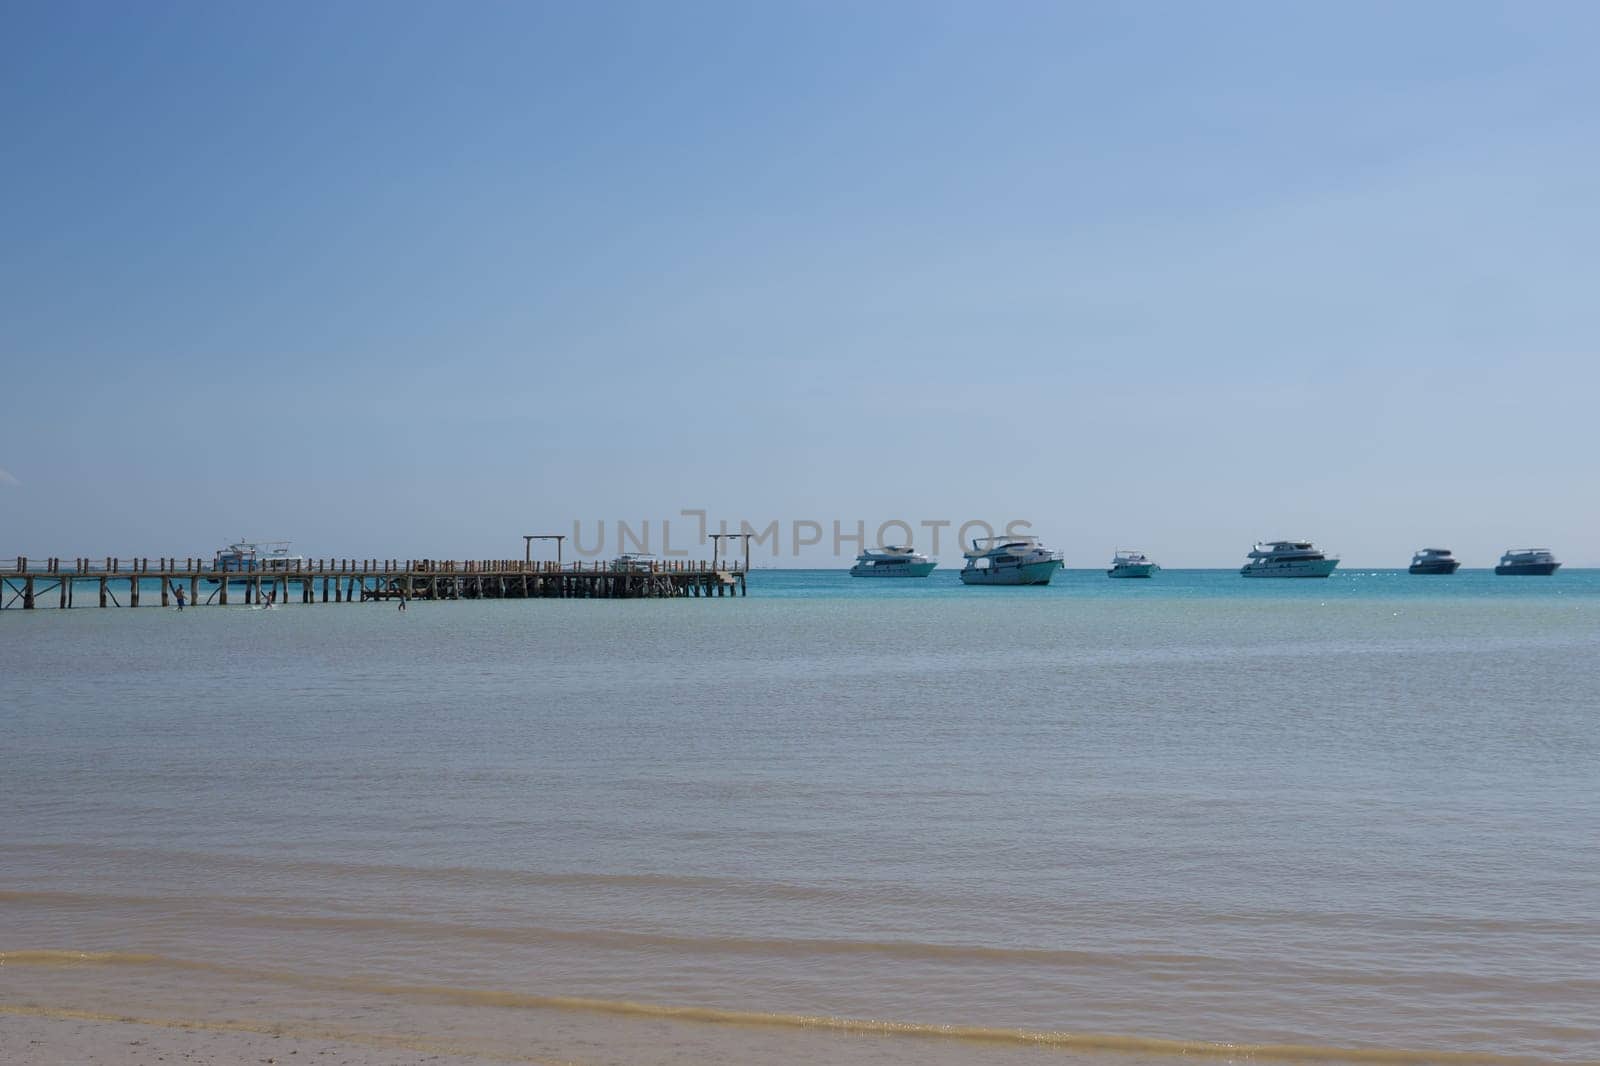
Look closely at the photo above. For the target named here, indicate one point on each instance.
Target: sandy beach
(376, 1034)
(55, 1038)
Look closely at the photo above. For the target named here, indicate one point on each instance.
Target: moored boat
(254, 558)
(1132, 564)
(1288, 558)
(892, 561)
(1434, 561)
(1009, 561)
(633, 563)
(1527, 562)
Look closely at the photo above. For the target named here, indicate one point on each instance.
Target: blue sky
(415, 279)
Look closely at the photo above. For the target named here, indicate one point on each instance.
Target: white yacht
(1132, 564)
(1527, 562)
(1009, 561)
(892, 561)
(1434, 561)
(633, 563)
(1288, 558)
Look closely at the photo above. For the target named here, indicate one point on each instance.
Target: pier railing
(27, 581)
(158, 565)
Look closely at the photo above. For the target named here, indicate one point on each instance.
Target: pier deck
(56, 582)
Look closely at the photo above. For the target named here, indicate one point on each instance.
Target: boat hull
(1291, 568)
(1134, 570)
(1038, 573)
(1527, 569)
(1448, 566)
(906, 570)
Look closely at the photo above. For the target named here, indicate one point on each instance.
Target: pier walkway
(114, 582)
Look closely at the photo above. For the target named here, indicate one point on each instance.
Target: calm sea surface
(1359, 813)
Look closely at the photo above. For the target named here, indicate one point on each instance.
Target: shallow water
(1356, 813)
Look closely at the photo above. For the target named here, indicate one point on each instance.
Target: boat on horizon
(1434, 561)
(895, 560)
(1009, 561)
(1288, 558)
(1128, 563)
(1527, 562)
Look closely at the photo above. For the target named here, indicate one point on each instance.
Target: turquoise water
(1193, 584)
(1352, 813)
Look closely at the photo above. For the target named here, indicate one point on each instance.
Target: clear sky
(415, 279)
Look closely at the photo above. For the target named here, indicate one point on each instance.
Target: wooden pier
(114, 582)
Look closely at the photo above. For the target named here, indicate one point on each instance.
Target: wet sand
(59, 1038)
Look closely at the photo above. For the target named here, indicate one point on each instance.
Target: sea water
(839, 819)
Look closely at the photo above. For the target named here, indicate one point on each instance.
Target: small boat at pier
(254, 558)
(633, 563)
